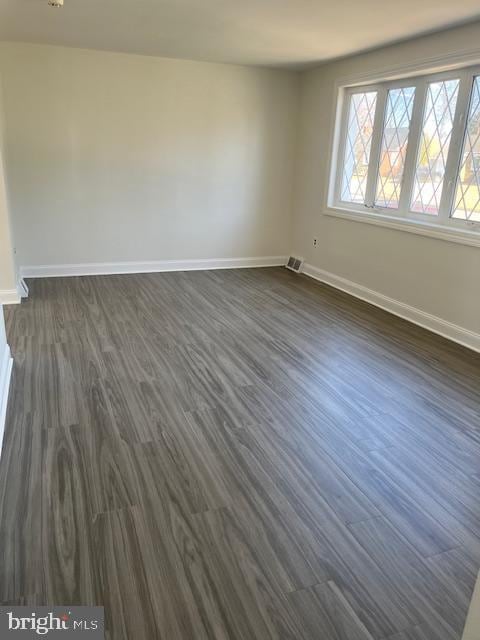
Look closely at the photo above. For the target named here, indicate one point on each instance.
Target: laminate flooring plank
(22, 509)
(320, 433)
(329, 546)
(66, 532)
(238, 454)
(192, 474)
(420, 632)
(317, 480)
(111, 469)
(327, 614)
(275, 531)
(132, 581)
(425, 592)
(455, 511)
(251, 603)
(457, 574)
(183, 560)
(394, 499)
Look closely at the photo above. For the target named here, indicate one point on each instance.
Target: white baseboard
(472, 624)
(9, 296)
(22, 288)
(110, 268)
(6, 363)
(426, 320)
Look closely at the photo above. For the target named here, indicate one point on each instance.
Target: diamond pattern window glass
(411, 153)
(434, 144)
(466, 205)
(396, 128)
(357, 146)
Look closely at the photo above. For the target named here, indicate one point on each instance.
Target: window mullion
(455, 149)
(416, 126)
(375, 148)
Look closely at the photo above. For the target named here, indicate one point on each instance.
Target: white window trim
(438, 231)
(450, 229)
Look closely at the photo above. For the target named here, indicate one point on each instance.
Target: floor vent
(295, 264)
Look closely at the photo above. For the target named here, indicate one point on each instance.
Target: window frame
(441, 225)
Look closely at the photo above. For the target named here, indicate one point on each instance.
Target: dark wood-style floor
(238, 455)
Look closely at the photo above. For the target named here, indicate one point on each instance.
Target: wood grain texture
(327, 613)
(238, 455)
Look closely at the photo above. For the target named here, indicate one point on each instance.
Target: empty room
(240, 320)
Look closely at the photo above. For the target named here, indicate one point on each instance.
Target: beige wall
(438, 277)
(7, 268)
(114, 157)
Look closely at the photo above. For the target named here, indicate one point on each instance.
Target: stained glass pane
(434, 144)
(358, 143)
(398, 114)
(467, 196)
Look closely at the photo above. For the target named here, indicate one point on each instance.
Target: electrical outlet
(314, 242)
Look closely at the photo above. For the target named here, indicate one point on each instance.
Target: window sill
(440, 232)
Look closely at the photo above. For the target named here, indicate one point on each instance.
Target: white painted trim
(462, 64)
(110, 268)
(470, 238)
(472, 625)
(22, 288)
(428, 65)
(425, 66)
(9, 296)
(6, 365)
(426, 320)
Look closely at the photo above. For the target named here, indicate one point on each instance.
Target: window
(396, 129)
(434, 145)
(410, 150)
(359, 141)
(467, 197)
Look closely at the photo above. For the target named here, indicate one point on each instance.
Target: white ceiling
(260, 32)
